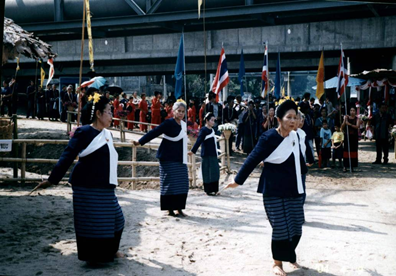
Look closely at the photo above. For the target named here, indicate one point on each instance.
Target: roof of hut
(17, 41)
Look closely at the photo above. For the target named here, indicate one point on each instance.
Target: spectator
(250, 130)
(325, 143)
(156, 109)
(350, 127)
(382, 122)
(30, 95)
(337, 140)
(6, 94)
(271, 121)
(143, 106)
(116, 104)
(131, 113)
(214, 108)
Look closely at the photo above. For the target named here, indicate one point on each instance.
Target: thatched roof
(17, 41)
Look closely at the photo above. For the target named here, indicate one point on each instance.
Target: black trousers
(382, 145)
(8, 105)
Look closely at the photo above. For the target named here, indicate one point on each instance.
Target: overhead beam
(154, 7)
(249, 2)
(135, 7)
(58, 10)
(373, 10)
(190, 15)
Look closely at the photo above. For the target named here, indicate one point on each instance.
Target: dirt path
(350, 229)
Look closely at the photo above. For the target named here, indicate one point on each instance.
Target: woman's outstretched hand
(43, 185)
(136, 143)
(232, 185)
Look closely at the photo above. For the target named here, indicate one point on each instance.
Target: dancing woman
(172, 154)
(280, 183)
(98, 218)
(210, 165)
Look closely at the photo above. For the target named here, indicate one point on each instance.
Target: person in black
(62, 109)
(214, 108)
(382, 121)
(41, 104)
(53, 101)
(6, 94)
(30, 94)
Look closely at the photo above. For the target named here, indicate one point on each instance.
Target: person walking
(210, 170)
(172, 155)
(98, 218)
(280, 183)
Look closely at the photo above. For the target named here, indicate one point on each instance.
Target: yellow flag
(320, 78)
(89, 30)
(42, 74)
(199, 8)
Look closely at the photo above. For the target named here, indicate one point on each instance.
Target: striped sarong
(174, 185)
(286, 216)
(98, 221)
(210, 174)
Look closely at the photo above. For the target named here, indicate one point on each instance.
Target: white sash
(288, 146)
(182, 135)
(217, 151)
(103, 138)
(302, 135)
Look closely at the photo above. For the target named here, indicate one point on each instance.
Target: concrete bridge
(147, 43)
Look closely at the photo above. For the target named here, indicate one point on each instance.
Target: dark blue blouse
(168, 150)
(91, 171)
(208, 146)
(276, 179)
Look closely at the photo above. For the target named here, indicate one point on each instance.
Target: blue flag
(241, 72)
(179, 70)
(278, 79)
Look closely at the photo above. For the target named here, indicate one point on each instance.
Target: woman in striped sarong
(172, 154)
(98, 218)
(210, 165)
(281, 184)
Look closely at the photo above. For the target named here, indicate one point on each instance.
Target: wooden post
(134, 151)
(121, 132)
(68, 122)
(228, 153)
(15, 148)
(23, 165)
(223, 146)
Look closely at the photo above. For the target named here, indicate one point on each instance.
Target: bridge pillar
(394, 63)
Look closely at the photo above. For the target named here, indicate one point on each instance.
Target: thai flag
(265, 74)
(221, 79)
(342, 75)
(51, 72)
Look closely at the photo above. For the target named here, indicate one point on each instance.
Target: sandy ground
(350, 228)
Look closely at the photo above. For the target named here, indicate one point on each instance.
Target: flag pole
(185, 76)
(346, 114)
(268, 79)
(81, 66)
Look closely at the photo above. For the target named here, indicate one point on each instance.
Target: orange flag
(320, 78)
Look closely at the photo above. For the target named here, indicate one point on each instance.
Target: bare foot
(119, 255)
(278, 270)
(295, 265)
